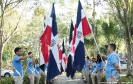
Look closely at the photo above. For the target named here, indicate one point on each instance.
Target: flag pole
(92, 33)
(86, 51)
(95, 41)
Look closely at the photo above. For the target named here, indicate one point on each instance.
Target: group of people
(97, 66)
(109, 64)
(32, 67)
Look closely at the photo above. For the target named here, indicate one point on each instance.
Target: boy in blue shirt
(37, 72)
(93, 75)
(85, 69)
(17, 64)
(30, 68)
(99, 68)
(112, 65)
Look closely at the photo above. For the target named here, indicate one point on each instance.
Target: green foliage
(110, 31)
(25, 80)
(123, 79)
(7, 81)
(103, 49)
(39, 11)
(126, 79)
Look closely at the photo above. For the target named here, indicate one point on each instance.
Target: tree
(6, 7)
(123, 11)
(110, 30)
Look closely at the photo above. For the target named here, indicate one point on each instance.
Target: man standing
(85, 70)
(17, 64)
(37, 72)
(93, 75)
(112, 67)
(31, 69)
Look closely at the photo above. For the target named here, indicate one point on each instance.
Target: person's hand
(119, 71)
(96, 71)
(36, 60)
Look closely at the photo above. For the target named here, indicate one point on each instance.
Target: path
(65, 80)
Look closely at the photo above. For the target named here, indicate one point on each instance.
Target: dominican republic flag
(69, 68)
(44, 50)
(44, 55)
(83, 28)
(63, 61)
(53, 64)
(60, 53)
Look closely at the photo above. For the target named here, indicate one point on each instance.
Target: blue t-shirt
(86, 68)
(112, 58)
(37, 69)
(30, 67)
(17, 64)
(100, 65)
(93, 66)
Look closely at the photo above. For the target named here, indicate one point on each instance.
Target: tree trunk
(128, 44)
(1, 34)
(1, 51)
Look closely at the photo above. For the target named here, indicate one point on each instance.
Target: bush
(123, 80)
(126, 79)
(7, 81)
(25, 80)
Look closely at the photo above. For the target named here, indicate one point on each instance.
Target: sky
(100, 9)
(60, 10)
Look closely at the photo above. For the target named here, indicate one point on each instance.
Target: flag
(62, 57)
(44, 57)
(60, 53)
(45, 41)
(53, 65)
(42, 62)
(63, 62)
(70, 60)
(83, 28)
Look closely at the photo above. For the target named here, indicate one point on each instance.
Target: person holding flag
(30, 68)
(17, 64)
(93, 75)
(86, 69)
(37, 72)
(112, 67)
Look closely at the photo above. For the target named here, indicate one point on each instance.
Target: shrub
(126, 79)
(25, 80)
(7, 81)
